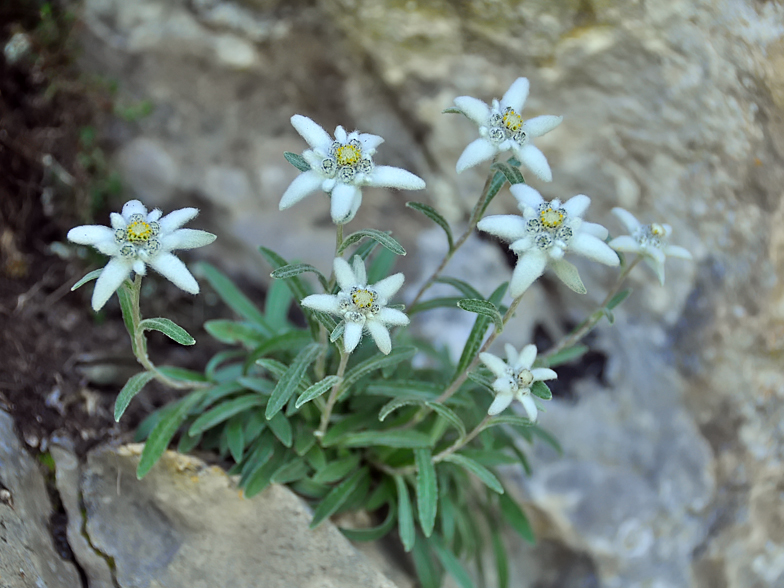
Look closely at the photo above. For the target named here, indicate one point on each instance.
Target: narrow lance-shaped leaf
(233, 297)
(295, 269)
(398, 438)
(565, 355)
(126, 306)
(486, 476)
(511, 173)
(317, 390)
(224, 412)
(449, 415)
(451, 564)
(618, 298)
(498, 181)
(516, 518)
(433, 215)
(169, 328)
(484, 308)
(405, 515)
(466, 289)
(373, 533)
(426, 489)
(336, 497)
(541, 390)
(289, 382)
(376, 362)
(93, 275)
(394, 404)
(132, 387)
(297, 161)
(477, 335)
(380, 237)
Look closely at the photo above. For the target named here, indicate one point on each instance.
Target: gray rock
(27, 555)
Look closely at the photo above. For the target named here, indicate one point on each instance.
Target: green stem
(333, 395)
(320, 369)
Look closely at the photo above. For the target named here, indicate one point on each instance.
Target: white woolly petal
(494, 363)
(627, 218)
(322, 302)
(342, 202)
(509, 227)
(385, 176)
(541, 374)
(314, 134)
(304, 184)
(351, 336)
(329, 184)
(667, 230)
(593, 248)
(110, 279)
(369, 143)
(625, 243)
(657, 266)
(117, 220)
(541, 125)
(569, 275)
(474, 109)
(516, 95)
(154, 215)
(529, 405)
(501, 403)
(344, 274)
(389, 286)
(358, 267)
(675, 251)
(511, 354)
(392, 316)
(341, 135)
(90, 234)
(535, 160)
(380, 335)
(528, 269)
(577, 205)
(108, 247)
(139, 267)
(522, 245)
(594, 229)
(354, 206)
(477, 151)
(175, 271)
(187, 239)
(526, 195)
(133, 207)
(176, 218)
(655, 253)
(526, 358)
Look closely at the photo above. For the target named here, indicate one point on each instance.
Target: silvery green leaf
(169, 328)
(297, 161)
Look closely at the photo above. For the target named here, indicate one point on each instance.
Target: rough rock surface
(673, 109)
(27, 555)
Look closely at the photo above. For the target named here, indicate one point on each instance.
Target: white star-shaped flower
(340, 167)
(138, 238)
(501, 128)
(362, 307)
(514, 378)
(649, 241)
(542, 235)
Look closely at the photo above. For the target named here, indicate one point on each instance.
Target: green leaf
(511, 173)
(126, 306)
(337, 496)
(486, 476)
(290, 381)
(169, 328)
(541, 390)
(295, 284)
(376, 362)
(262, 477)
(294, 470)
(337, 331)
(234, 298)
(426, 490)
(516, 518)
(218, 392)
(383, 239)
(409, 388)
(449, 415)
(489, 457)
(569, 275)
(466, 289)
(181, 374)
(281, 428)
(235, 436)
(451, 110)
(405, 515)
(618, 298)
(211, 369)
(373, 533)
(477, 335)
(291, 341)
(93, 275)
(501, 559)
(337, 470)
(164, 431)
(484, 308)
(224, 412)
(304, 439)
(295, 269)
(408, 438)
(297, 161)
(509, 419)
(232, 332)
(277, 303)
(498, 181)
(132, 387)
(394, 404)
(566, 355)
(451, 563)
(445, 302)
(261, 451)
(317, 390)
(433, 215)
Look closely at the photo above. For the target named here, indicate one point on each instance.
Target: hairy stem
(333, 395)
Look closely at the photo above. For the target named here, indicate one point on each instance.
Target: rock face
(674, 110)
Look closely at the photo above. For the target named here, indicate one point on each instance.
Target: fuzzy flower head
(340, 167)
(514, 378)
(137, 239)
(362, 307)
(544, 233)
(649, 241)
(502, 128)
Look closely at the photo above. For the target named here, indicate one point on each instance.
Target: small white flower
(502, 128)
(361, 306)
(649, 241)
(138, 238)
(514, 378)
(544, 233)
(341, 167)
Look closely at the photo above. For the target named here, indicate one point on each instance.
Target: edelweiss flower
(650, 241)
(341, 167)
(502, 128)
(544, 233)
(137, 238)
(514, 378)
(361, 306)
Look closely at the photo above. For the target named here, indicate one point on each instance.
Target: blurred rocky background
(673, 430)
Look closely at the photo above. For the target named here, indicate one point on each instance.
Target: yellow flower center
(513, 121)
(139, 232)
(551, 218)
(657, 230)
(347, 155)
(363, 298)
